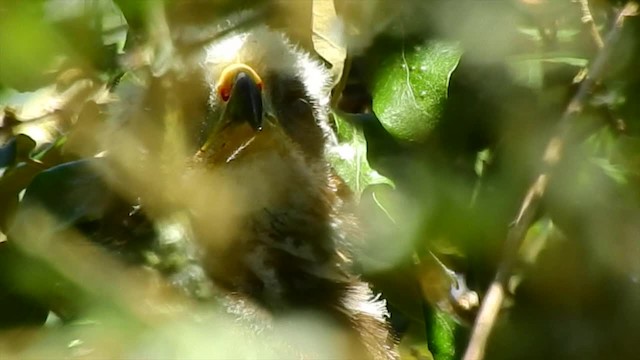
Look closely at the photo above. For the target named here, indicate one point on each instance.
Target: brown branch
(492, 302)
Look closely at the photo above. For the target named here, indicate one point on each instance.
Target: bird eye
(225, 93)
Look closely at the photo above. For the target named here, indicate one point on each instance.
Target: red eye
(225, 93)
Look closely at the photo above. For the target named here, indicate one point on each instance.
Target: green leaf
(349, 157)
(30, 47)
(441, 331)
(410, 87)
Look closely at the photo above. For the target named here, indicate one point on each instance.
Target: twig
(589, 23)
(496, 293)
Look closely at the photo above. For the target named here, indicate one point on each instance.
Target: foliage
(443, 111)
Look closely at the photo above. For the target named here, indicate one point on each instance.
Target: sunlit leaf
(410, 86)
(326, 37)
(441, 331)
(349, 157)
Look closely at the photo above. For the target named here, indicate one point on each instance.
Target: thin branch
(589, 23)
(492, 302)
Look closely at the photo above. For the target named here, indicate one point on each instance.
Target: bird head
(263, 92)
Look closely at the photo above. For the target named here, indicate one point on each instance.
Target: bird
(267, 134)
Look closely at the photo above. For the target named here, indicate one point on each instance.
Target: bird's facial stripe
(228, 77)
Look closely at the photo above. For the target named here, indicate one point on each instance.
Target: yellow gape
(228, 75)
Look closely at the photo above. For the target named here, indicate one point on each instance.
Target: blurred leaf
(410, 86)
(531, 70)
(482, 159)
(387, 213)
(29, 47)
(613, 171)
(413, 344)
(326, 37)
(535, 240)
(349, 157)
(527, 72)
(175, 255)
(24, 147)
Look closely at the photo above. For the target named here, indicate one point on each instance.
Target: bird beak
(240, 88)
(244, 103)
